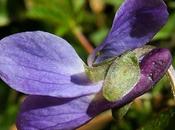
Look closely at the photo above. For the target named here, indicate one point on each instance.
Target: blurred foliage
(93, 18)
(3, 13)
(161, 121)
(167, 30)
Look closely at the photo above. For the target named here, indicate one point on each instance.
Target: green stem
(81, 37)
(171, 75)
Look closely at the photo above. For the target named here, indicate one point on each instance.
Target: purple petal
(40, 63)
(49, 113)
(135, 24)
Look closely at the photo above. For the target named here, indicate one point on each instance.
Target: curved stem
(83, 40)
(171, 75)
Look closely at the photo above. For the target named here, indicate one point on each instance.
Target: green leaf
(121, 77)
(56, 11)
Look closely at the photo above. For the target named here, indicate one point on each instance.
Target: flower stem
(76, 30)
(83, 40)
(171, 75)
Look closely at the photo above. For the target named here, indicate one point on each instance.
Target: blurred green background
(82, 21)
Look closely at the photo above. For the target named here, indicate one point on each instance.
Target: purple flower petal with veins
(135, 24)
(61, 96)
(40, 63)
(49, 113)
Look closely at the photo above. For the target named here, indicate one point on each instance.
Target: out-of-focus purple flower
(47, 68)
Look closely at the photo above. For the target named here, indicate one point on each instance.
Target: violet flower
(47, 68)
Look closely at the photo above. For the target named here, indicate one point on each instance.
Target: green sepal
(121, 77)
(143, 50)
(121, 112)
(98, 71)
